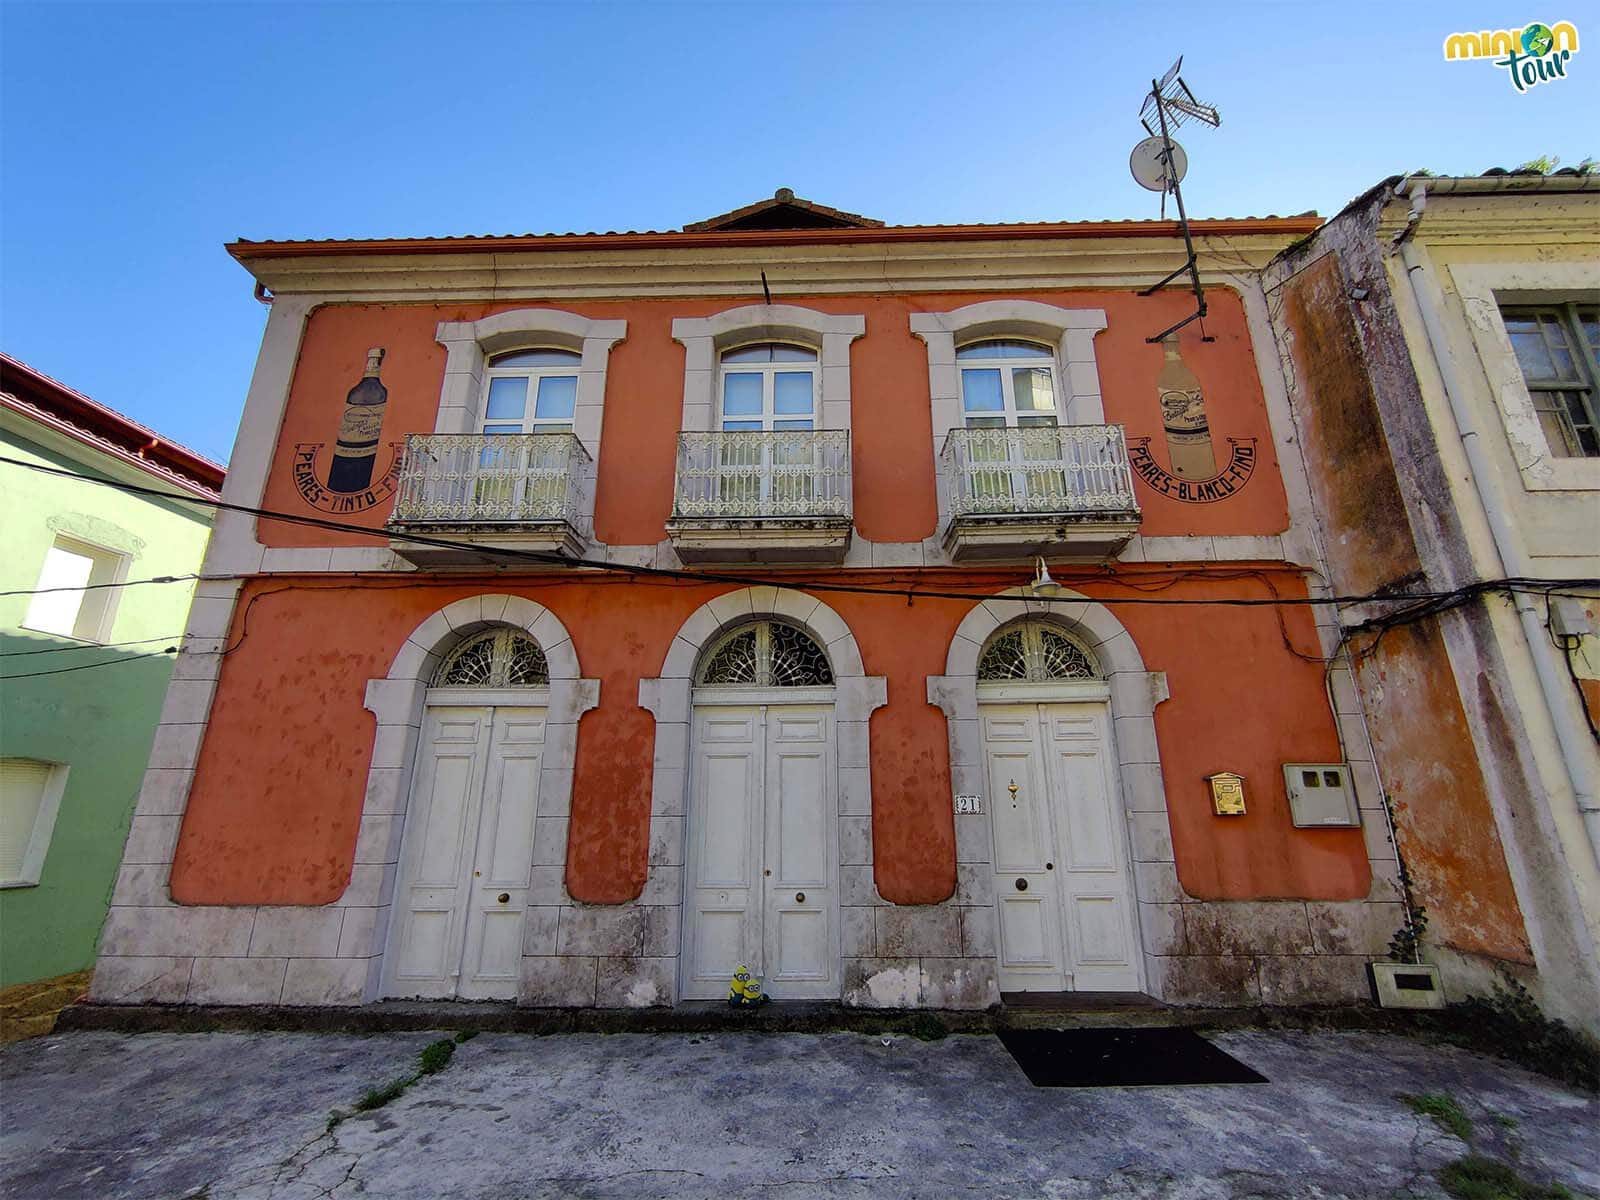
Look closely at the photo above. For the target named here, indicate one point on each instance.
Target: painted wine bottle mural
(1183, 415)
(357, 448)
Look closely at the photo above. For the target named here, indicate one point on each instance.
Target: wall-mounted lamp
(1043, 586)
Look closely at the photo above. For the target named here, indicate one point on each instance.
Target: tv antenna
(1159, 163)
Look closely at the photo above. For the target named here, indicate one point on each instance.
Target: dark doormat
(1121, 1058)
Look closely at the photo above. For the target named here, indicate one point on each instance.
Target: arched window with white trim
(1007, 384)
(768, 386)
(531, 391)
(1034, 651)
(498, 658)
(765, 654)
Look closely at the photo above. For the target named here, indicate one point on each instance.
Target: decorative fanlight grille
(1034, 652)
(496, 659)
(766, 654)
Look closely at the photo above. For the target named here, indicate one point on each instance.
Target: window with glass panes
(769, 386)
(1558, 349)
(1007, 383)
(531, 391)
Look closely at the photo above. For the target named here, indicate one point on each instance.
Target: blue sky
(136, 139)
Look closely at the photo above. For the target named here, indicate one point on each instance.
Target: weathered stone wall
(1471, 812)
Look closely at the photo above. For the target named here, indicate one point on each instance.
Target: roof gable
(784, 211)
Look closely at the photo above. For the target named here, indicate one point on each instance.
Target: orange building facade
(622, 623)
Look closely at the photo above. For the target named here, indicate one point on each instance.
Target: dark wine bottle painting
(357, 448)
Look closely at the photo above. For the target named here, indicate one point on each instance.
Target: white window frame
(1008, 367)
(104, 592)
(1484, 288)
(44, 824)
(705, 338)
(1071, 331)
(769, 372)
(533, 375)
(470, 344)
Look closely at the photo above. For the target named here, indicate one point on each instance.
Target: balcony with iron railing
(487, 491)
(1061, 491)
(762, 496)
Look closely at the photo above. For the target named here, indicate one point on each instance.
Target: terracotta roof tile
(55, 405)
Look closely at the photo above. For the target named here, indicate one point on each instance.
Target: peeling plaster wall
(1456, 714)
(1444, 821)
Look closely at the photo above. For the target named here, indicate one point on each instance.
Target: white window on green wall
(30, 797)
(75, 596)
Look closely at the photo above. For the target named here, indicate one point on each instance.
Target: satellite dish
(1148, 162)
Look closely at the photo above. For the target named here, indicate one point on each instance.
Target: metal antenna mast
(1159, 164)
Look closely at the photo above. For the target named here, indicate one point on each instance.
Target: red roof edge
(77, 415)
(245, 250)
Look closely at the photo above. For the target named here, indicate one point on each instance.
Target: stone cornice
(805, 269)
(1501, 219)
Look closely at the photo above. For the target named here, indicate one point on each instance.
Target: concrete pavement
(244, 1116)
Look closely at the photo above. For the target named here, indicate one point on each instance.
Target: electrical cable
(93, 587)
(116, 662)
(637, 572)
(171, 637)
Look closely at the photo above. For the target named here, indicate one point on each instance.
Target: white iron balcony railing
(1055, 469)
(490, 479)
(751, 474)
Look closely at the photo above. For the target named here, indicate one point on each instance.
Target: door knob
(799, 897)
(504, 897)
(1022, 885)
(1049, 866)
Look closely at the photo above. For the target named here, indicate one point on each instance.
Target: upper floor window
(75, 596)
(531, 391)
(1007, 384)
(1558, 349)
(771, 385)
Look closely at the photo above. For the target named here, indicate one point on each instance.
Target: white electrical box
(1320, 795)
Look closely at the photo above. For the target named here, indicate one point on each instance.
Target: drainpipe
(1576, 746)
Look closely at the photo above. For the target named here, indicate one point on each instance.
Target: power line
(91, 587)
(909, 594)
(116, 662)
(171, 637)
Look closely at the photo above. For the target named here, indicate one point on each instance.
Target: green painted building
(84, 662)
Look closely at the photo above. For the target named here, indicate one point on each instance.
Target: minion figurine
(745, 990)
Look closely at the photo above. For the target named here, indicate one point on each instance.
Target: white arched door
(761, 884)
(468, 844)
(1063, 890)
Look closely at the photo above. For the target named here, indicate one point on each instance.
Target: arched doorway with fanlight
(762, 870)
(1065, 914)
(468, 846)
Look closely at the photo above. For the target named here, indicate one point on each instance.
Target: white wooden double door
(467, 854)
(1063, 895)
(762, 871)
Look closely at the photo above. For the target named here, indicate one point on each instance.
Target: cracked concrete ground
(231, 1116)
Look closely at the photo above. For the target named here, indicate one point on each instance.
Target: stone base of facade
(1198, 952)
